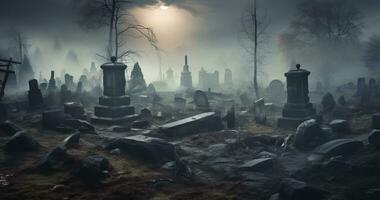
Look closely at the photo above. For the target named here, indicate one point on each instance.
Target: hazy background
(208, 31)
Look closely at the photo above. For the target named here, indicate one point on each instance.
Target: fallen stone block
(94, 167)
(204, 122)
(21, 142)
(154, 150)
(338, 147)
(340, 126)
(261, 164)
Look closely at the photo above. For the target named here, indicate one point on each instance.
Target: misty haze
(190, 99)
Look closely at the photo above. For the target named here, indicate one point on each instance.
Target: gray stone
(154, 150)
(338, 147)
(328, 102)
(260, 164)
(52, 118)
(201, 100)
(52, 158)
(292, 189)
(204, 122)
(8, 128)
(309, 135)
(340, 126)
(120, 128)
(374, 138)
(72, 140)
(94, 167)
(76, 110)
(81, 125)
(21, 142)
(141, 124)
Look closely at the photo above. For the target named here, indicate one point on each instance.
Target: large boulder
(52, 158)
(94, 167)
(154, 150)
(309, 135)
(340, 126)
(292, 189)
(374, 138)
(8, 128)
(21, 142)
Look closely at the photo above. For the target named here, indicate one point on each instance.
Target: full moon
(163, 7)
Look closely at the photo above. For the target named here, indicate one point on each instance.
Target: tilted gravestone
(34, 94)
(201, 100)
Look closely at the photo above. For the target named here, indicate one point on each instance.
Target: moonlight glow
(163, 7)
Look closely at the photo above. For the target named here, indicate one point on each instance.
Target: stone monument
(186, 79)
(298, 107)
(114, 105)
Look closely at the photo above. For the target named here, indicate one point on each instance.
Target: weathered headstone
(114, 105)
(66, 95)
(179, 103)
(276, 91)
(260, 111)
(298, 107)
(230, 118)
(34, 94)
(201, 100)
(52, 85)
(328, 102)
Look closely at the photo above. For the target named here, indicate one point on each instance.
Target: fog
(208, 31)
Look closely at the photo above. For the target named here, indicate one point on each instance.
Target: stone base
(289, 122)
(114, 101)
(114, 121)
(114, 111)
(300, 111)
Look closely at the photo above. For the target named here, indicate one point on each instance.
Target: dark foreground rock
(338, 147)
(72, 140)
(292, 189)
(21, 142)
(374, 138)
(8, 128)
(52, 118)
(340, 126)
(94, 167)
(155, 150)
(52, 158)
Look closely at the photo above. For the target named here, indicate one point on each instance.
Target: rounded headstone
(308, 135)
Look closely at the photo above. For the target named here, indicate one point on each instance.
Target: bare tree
(254, 30)
(371, 56)
(115, 15)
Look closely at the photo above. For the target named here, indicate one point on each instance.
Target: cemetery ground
(252, 161)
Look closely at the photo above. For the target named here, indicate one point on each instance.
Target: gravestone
(114, 105)
(276, 91)
(65, 94)
(362, 91)
(373, 87)
(201, 100)
(179, 103)
(298, 107)
(137, 82)
(259, 111)
(230, 118)
(328, 102)
(34, 94)
(69, 82)
(52, 85)
(79, 89)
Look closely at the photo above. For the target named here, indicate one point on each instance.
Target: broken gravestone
(52, 118)
(204, 122)
(72, 140)
(52, 158)
(201, 100)
(154, 150)
(94, 167)
(338, 147)
(309, 135)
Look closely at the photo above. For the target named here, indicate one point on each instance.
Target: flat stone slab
(115, 121)
(259, 164)
(338, 147)
(204, 122)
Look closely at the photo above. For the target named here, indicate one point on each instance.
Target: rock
(204, 122)
(120, 128)
(8, 128)
(52, 118)
(52, 158)
(81, 125)
(342, 112)
(115, 151)
(94, 167)
(309, 135)
(328, 102)
(75, 109)
(264, 139)
(146, 114)
(150, 149)
(275, 196)
(261, 164)
(58, 188)
(140, 124)
(376, 121)
(373, 194)
(292, 189)
(338, 147)
(340, 126)
(21, 142)
(374, 138)
(72, 140)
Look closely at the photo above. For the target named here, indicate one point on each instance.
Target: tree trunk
(255, 85)
(110, 38)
